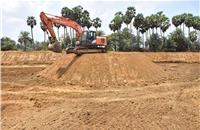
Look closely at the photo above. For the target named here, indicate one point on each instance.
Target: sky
(14, 13)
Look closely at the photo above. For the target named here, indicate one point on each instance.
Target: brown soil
(175, 57)
(31, 102)
(21, 58)
(104, 69)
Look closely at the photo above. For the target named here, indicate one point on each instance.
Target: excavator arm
(48, 23)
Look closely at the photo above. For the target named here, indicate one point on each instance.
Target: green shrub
(178, 40)
(7, 44)
(154, 42)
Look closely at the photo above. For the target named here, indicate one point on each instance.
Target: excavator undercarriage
(86, 49)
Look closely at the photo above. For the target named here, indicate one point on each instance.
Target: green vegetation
(149, 27)
(44, 30)
(31, 22)
(24, 40)
(149, 34)
(7, 44)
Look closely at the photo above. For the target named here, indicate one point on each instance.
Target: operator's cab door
(88, 37)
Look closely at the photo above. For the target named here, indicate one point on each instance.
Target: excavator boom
(48, 23)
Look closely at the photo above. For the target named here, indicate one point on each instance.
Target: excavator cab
(87, 38)
(91, 43)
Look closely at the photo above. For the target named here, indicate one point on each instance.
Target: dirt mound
(33, 57)
(104, 69)
(174, 57)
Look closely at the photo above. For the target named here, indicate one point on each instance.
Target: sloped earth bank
(34, 102)
(105, 69)
(30, 58)
(175, 57)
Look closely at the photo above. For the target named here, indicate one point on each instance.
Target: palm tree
(183, 18)
(165, 25)
(126, 20)
(24, 39)
(114, 28)
(44, 30)
(57, 26)
(67, 13)
(138, 21)
(77, 13)
(148, 25)
(89, 24)
(131, 12)
(85, 18)
(118, 20)
(176, 20)
(31, 22)
(196, 23)
(152, 22)
(163, 21)
(160, 17)
(129, 15)
(64, 31)
(143, 30)
(139, 18)
(189, 22)
(97, 23)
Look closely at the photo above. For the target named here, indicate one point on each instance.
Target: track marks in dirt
(65, 68)
(137, 108)
(30, 58)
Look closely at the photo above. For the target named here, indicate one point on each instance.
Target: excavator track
(87, 51)
(83, 50)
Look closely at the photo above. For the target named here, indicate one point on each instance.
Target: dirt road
(33, 102)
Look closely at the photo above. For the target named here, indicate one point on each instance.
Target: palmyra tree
(31, 22)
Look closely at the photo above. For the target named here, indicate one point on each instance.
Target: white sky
(15, 12)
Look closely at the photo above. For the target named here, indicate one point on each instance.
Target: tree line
(149, 34)
(153, 28)
(77, 13)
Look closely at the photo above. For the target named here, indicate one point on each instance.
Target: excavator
(87, 41)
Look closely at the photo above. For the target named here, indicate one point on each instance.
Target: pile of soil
(104, 69)
(33, 57)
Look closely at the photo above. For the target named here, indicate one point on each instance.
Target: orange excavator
(87, 41)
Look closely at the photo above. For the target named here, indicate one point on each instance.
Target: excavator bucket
(55, 47)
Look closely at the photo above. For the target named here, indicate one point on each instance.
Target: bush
(193, 36)
(41, 46)
(66, 42)
(154, 42)
(7, 44)
(195, 46)
(169, 46)
(123, 41)
(136, 43)
(179, 40)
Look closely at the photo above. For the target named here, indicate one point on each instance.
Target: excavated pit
(104, 69)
